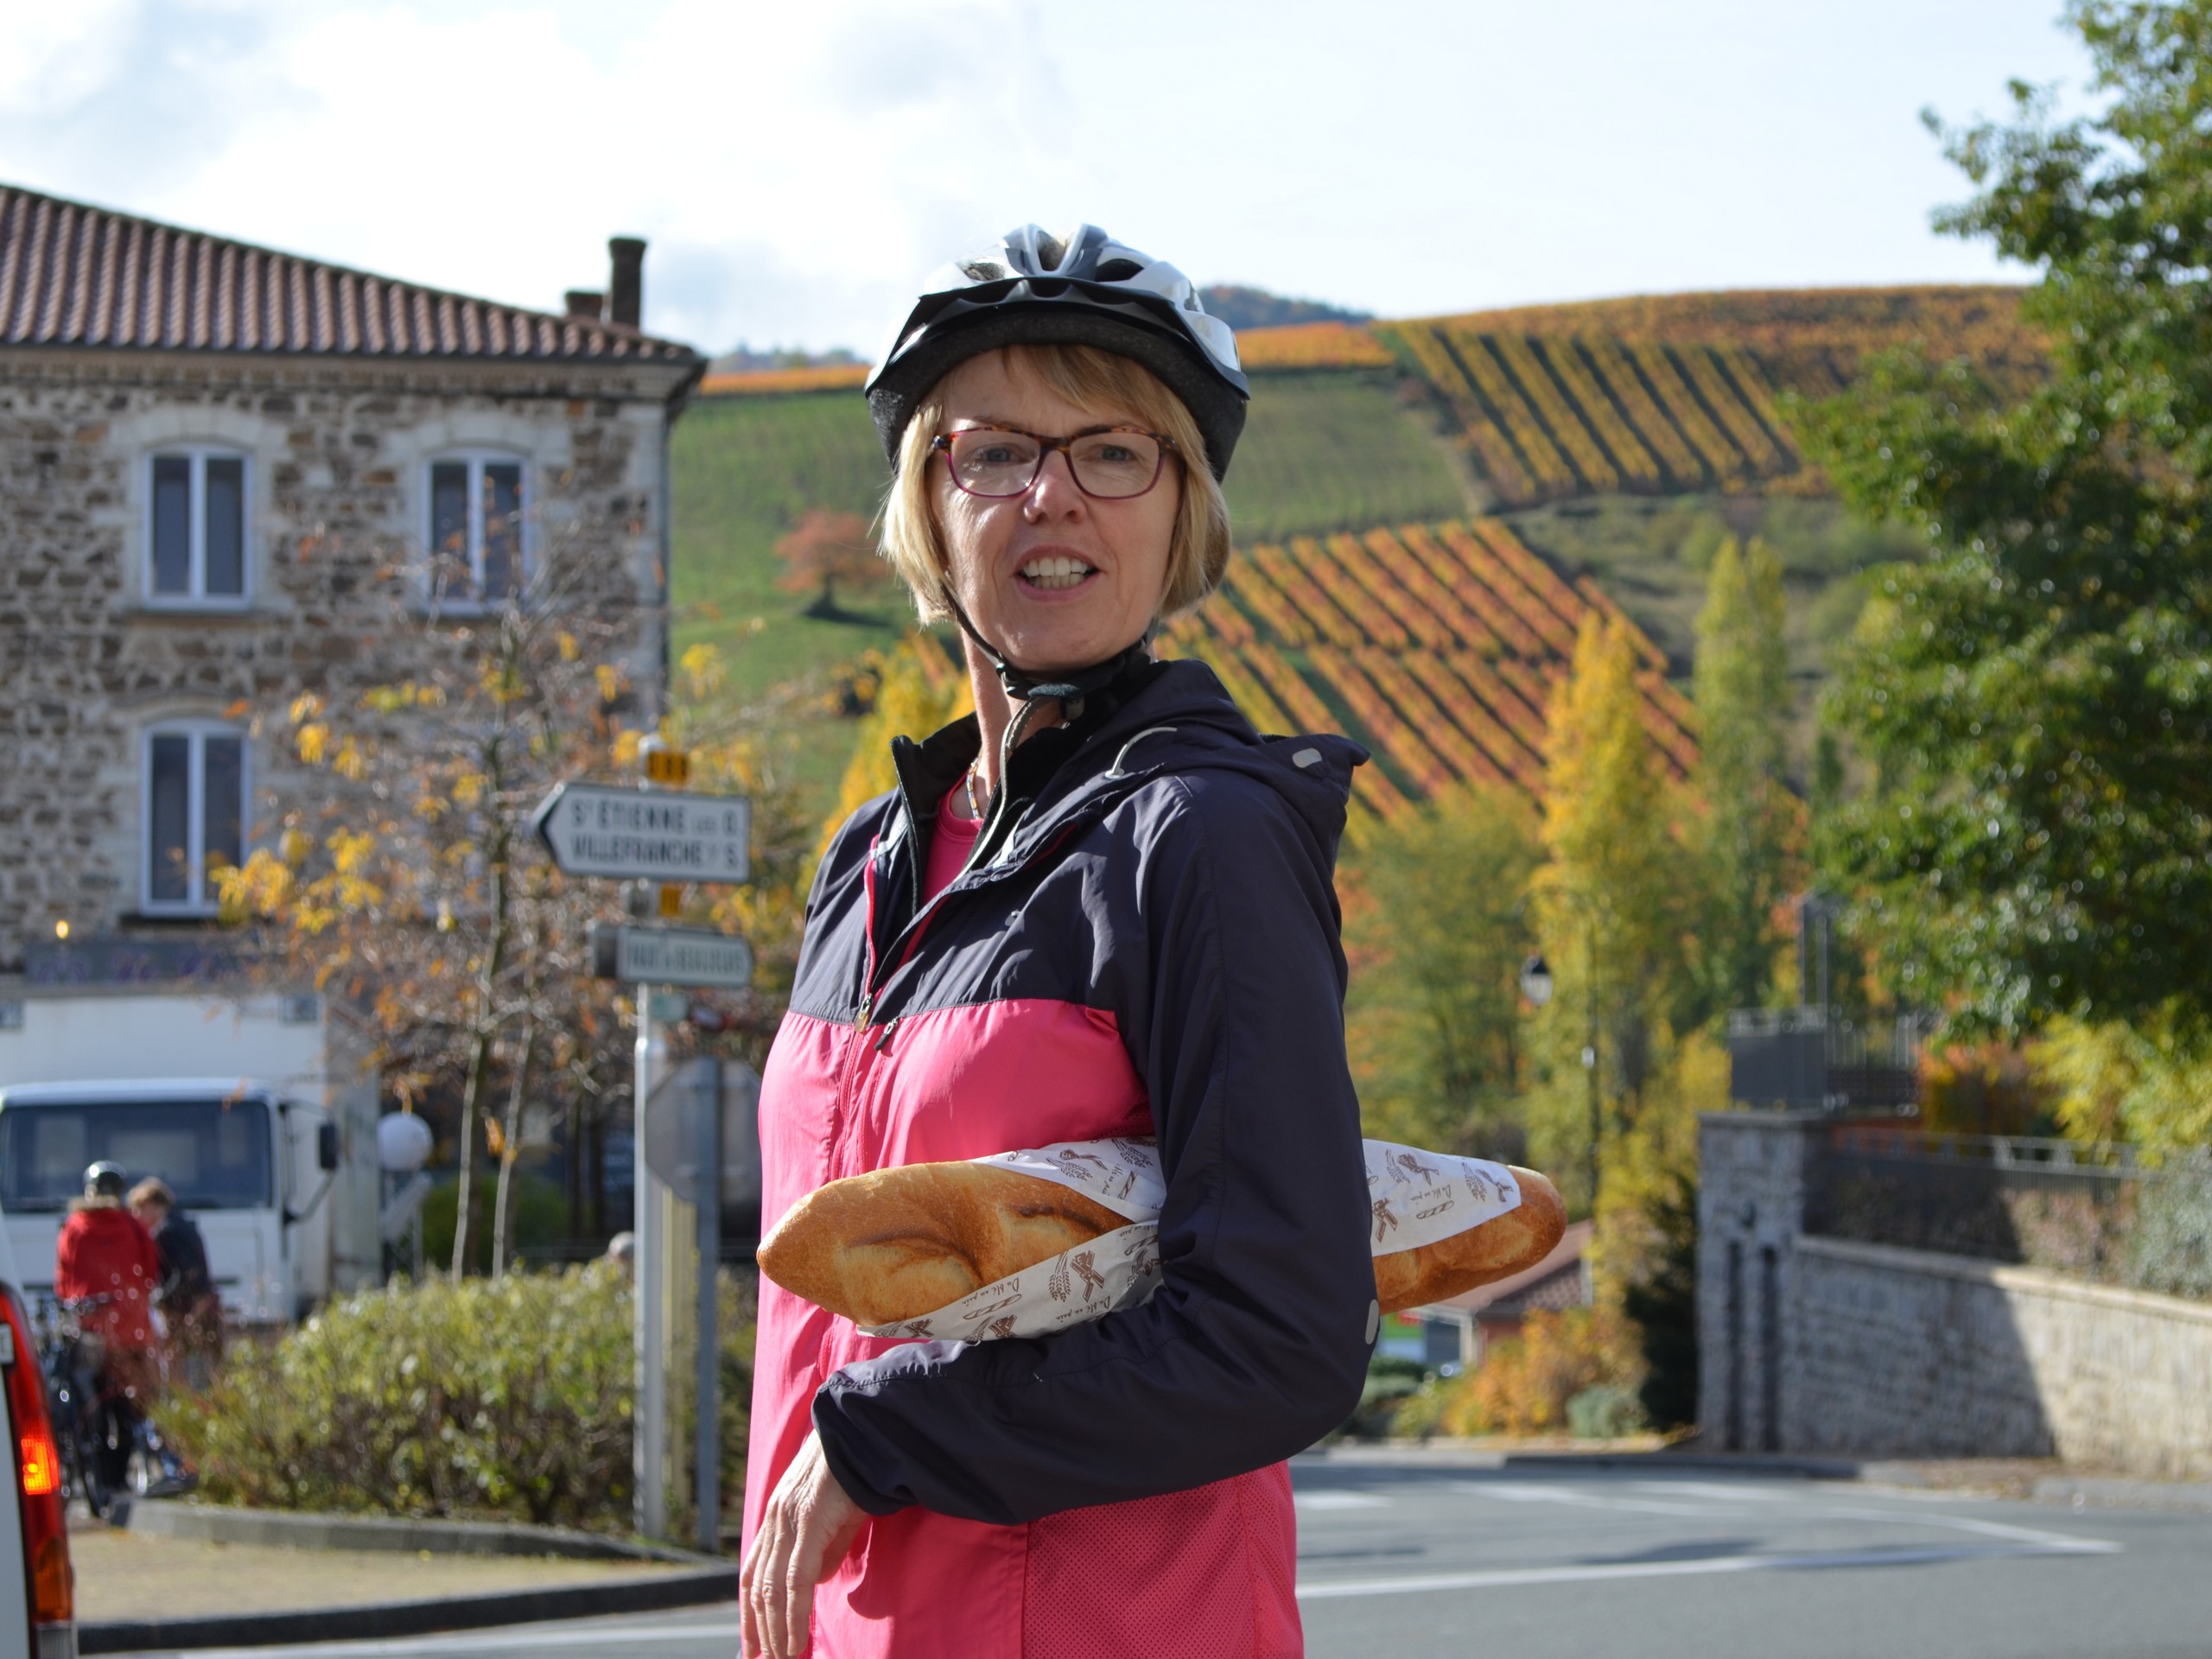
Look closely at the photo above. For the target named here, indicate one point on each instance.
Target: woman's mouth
(1056, 575)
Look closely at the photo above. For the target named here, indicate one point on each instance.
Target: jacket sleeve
(1256, 1342)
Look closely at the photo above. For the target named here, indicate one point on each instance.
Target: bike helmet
(1086, 288)
(105, 1180)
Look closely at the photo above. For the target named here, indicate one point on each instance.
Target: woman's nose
(1053, 493)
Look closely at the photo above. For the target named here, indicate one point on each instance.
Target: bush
(2171, 1250)
(503, 1398)
(1525, 1383)
(1604, 1412)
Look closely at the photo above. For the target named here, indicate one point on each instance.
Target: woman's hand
(808, 1525)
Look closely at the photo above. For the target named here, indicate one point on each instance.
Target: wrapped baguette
(1029, 1242)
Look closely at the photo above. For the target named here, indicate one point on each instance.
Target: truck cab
(251, 1167)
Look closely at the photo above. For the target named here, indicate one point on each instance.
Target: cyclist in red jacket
(107, 1265)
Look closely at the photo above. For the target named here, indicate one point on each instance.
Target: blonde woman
(1101, 905)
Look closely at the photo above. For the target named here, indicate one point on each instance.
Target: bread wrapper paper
(1415, 1198)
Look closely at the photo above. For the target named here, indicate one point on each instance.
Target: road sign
(638, 834)
(671, 955)
(673, 1133)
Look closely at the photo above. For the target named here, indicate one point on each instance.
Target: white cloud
(795, 167)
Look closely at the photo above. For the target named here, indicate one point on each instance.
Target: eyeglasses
(1110, 463)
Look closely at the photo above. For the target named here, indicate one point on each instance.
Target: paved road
(1414, 1561)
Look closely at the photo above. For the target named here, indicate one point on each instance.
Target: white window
(196, 527)
(476, 525)
(194, 816)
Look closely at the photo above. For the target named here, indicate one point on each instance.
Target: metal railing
(1824, 1059)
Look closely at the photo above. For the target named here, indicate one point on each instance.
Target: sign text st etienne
(636, 835)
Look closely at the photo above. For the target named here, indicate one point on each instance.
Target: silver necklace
(974, 808)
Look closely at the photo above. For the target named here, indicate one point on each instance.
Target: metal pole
(1590, 1064)
(708, 1209)
(649, 1446)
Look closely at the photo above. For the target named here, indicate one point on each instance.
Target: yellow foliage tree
(1611, 905)
(917, 690)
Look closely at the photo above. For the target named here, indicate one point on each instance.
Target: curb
(403, 1618)
(287, 1530)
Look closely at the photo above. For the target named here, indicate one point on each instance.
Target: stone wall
(1827, 1345)
(337, 525)
(1902, 1353)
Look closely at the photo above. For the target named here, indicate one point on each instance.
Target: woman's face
(1053, 578)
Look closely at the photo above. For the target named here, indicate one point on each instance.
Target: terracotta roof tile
(71, 275)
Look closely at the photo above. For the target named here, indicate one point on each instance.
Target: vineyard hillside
(1437, 645)
(1616, 443)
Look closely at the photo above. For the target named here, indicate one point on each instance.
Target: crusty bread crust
(896, 1244)
(1504, 1244)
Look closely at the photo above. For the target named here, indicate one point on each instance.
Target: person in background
(106, 1265)
(188, 1301)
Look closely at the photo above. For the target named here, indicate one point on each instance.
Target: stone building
(224, 473)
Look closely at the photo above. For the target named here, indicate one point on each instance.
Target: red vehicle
(38, 1603)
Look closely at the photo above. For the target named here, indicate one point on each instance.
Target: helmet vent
(1052, 252)
(1118, 270)
(985, 271)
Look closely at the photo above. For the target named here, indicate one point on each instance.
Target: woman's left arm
(1256, 1342)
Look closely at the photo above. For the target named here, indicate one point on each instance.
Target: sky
(797, 168)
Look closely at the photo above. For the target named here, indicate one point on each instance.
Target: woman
(1102, 906)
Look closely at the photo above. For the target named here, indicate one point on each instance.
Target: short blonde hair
(1197, 552)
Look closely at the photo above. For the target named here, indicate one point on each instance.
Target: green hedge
(503, 1399)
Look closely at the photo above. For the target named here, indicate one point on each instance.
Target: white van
(252, 1168)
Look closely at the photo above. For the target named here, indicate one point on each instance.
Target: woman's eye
(995, 454)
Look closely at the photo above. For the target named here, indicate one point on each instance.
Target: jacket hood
(1185, 721)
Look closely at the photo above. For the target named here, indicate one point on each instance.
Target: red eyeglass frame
(942, 445)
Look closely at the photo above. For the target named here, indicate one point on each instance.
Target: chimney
(625, 288)
(586, 304)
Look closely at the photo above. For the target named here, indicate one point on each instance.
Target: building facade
(229, 477)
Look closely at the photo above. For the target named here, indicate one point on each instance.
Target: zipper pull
(883, 1042)
(868, 1006)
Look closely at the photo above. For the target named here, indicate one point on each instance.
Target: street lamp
(1536, 981)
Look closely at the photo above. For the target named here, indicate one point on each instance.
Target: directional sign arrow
(639, 835)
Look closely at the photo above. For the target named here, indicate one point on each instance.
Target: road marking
(1507, 1577)
(1722, 1489)
(1339, 1501)
(1532, 1492)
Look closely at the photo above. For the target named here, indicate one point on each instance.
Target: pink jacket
(1152, 951)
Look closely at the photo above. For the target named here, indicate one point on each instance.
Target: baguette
(1503, 1245)
(898, 1244)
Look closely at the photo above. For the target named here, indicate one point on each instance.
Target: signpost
(652, 835)
(639, 835)
(691, 956)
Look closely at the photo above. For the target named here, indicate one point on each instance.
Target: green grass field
(1337, 449)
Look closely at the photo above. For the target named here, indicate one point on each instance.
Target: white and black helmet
(1083, 288)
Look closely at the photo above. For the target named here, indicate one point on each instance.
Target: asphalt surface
(1429, 1559)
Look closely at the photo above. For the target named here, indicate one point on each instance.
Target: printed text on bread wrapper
(1415, 1198)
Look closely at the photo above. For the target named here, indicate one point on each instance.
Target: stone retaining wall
(1826, 1345)
(1906, 1354)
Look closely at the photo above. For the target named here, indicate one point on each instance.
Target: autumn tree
(1611, 904)
(412, 889)
(1749, 819)
(825, 548)
(1437, 926)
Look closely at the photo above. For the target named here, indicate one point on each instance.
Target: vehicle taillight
(45, 1525)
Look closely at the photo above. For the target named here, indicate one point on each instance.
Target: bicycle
(94, 1419)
